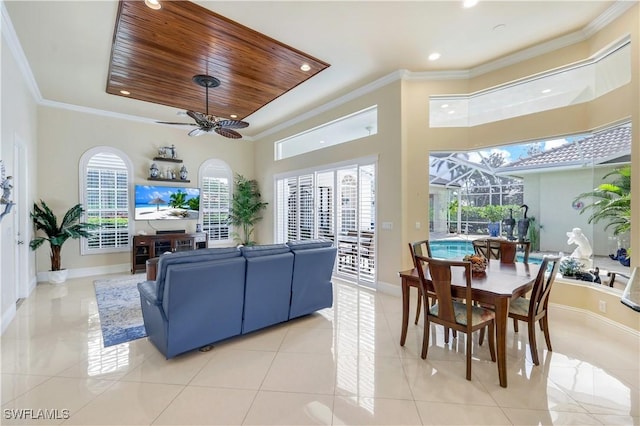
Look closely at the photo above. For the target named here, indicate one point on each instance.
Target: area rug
(119, 309)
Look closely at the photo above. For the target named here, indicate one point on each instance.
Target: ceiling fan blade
(199, 118)
(227, 133)
(199, 131)
(233, 124)
(176, 124)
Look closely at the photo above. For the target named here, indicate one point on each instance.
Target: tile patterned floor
(339, 366)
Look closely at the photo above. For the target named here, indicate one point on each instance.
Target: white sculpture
(584, 250)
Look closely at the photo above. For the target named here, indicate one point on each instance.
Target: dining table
(500, 283)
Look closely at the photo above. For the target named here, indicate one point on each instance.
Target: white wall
(558, 190)
(19, 120)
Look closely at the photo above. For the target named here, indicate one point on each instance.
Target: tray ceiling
(155, 54)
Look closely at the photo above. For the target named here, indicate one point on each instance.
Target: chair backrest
(488, 248)
(542, 286)
(508, 251)
(504, 250)
(440, 274)
(420, 248)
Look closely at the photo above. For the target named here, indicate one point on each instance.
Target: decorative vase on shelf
(183, 173)
(154, 172)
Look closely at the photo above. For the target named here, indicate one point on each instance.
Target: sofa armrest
(149, 292)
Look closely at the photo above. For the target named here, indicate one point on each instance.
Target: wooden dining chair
(534, 308)
(486, 247)
(504, 250)
(457, 314)
(420, 248)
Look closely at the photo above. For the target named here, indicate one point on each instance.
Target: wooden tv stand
(146, 247)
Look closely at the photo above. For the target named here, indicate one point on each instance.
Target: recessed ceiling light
(305, 67)
(444, 106)
(434, 56)
(469, 3)
(546, 91)
(153, 4)
(233, 116)
(125, 92)
(452, 112)
(321, 141)
(499, 27)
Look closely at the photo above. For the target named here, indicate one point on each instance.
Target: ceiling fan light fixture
(153, 4)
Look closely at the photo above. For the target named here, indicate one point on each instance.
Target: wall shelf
(170, 160)
(168, 180)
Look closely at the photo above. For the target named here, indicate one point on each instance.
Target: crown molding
(612, 13)
(9, 33)
(617, 9)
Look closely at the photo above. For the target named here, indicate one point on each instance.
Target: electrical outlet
(602, 305)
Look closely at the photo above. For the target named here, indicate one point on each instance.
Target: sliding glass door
(336, 204)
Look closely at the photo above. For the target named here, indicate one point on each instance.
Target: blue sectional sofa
(205, 296)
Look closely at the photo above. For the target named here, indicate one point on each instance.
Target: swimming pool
(452, 249)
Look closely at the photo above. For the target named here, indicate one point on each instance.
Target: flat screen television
(155, 202)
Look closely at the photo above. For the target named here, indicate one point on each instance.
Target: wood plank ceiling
(156, 53)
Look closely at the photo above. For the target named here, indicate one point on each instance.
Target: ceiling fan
(207, 123)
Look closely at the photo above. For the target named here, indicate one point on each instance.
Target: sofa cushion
(191, 256)
(264, 250)
(309, 244)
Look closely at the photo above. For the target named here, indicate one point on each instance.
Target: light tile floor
(339, 366)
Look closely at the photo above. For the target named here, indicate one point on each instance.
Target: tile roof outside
(598, 148)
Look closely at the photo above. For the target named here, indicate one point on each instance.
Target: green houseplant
(611, 201)
(46, 221)
(246, 208)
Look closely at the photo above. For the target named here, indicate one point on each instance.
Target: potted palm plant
(46, 221)
(245, 210)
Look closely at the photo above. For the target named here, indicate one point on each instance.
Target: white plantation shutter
(105, 198)
(325, 202)
(336, 204)
(215, 196)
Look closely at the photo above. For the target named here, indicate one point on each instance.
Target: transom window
(104, 195)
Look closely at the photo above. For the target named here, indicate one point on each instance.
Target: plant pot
(58, 277)
(494, 229)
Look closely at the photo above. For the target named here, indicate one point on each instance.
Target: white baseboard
(7, 317)
(89, 272)
(391, 289)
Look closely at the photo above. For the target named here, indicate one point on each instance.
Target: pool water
(452, 249)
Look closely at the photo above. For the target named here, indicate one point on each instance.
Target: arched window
(104, 194)
(216, 181)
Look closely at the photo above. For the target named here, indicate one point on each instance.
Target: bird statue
(523, 224)
(509, 225)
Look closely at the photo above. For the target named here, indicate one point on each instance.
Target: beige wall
(65, 135)
(412, 144)
(402, 145)
(385, 145)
